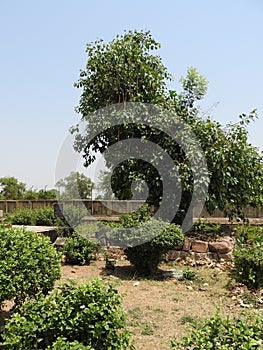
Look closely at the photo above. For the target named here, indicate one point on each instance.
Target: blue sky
(43, 49)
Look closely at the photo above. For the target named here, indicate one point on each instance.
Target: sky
(43, 49)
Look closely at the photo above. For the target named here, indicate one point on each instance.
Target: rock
(223, 245)
(200, 246)
(178, 274)
(59, 242)
(172, 255)
(187, 244)
(227, 257)
(136, 284)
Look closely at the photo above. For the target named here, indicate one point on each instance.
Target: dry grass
(159, 310)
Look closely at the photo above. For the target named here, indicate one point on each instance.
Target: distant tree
(11, 188)
(47, 194)
(75, 186)
(103, 188)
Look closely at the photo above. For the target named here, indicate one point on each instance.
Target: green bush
(146, 243)
(90, 314)
(248, 256)
(249, 234)
(45, 216)
(78, 250)
(36, 217)
(63, 344)
(246, 332)
(28, 264)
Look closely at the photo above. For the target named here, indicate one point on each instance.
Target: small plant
(189, 274)
(205, 231)
(217, 332)
(78, 250)
(147, 329)
(89, 316)
(187, 319)
(29, 264)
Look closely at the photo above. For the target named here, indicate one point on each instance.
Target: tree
(103, 188)
(126, 71)
(11, 188)
(75, 186)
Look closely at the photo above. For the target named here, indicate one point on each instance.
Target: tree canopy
(11, 189)
(75, 186)
(126, 70)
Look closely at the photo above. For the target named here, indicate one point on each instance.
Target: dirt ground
(159, 310)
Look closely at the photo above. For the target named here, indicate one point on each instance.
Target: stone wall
(221, 248)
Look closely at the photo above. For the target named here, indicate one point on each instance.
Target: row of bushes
(147, 239)
(35, 217)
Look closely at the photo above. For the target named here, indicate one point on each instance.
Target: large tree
(126, 70)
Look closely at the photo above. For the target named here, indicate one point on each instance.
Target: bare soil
(159, 310)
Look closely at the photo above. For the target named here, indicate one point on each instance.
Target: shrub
(45, 216)
(90, 314)
(246, 332)
(249, 234)
(147, 243)
(23, 216)
(63, 344)
(248, 256)
(36, 217)
(78, 250)
(28, 264)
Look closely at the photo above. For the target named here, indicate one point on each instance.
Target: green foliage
(11, 188)
(189, 274)
(75, 186)
(90, 314)
(35, 217)
(145, 241)
(28, 264)
(126, 70)
(245, 332)
(234, 165)
(249, 234)
(120, 71)
(248, 256)
(78, 250)
(63, 344)
(136, 218)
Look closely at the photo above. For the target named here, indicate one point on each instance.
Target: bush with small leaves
(89, 314)
(245, 332)
(36, 217)
(28, 264)
(64, 344)
(248, 256)
(78, 250)
(146, 243)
